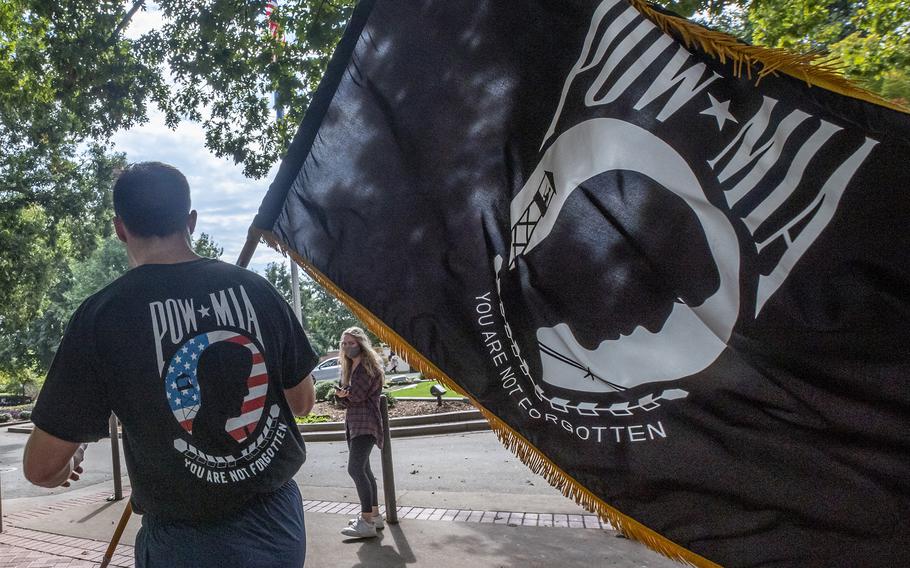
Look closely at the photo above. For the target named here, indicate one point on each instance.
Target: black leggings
(359, 470)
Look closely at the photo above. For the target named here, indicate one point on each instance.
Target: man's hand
(76, 466)
(51, 462)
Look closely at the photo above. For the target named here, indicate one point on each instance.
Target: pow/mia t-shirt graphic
(193, 358)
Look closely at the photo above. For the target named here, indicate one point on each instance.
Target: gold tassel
(766, 60)
(533, 458)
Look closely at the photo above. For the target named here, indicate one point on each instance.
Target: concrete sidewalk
(74, 528)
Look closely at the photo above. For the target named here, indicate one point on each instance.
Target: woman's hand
(342, 392)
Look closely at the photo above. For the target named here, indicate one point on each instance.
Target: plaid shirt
(363, 415)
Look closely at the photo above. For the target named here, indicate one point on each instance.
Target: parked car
(7, 399)
(328, 370)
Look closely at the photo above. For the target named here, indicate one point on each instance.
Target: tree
(869, 39)
(107, 263)
(27, 351)
(325, 318)
(70, 78)
(207, 247)
(70, 73)
(52, 208)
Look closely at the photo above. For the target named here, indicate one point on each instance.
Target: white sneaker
(378, 522)
(360, 529)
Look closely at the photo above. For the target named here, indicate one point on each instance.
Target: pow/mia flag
(678, 292)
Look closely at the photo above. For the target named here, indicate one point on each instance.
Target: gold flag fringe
(532, 457)
(811, 68)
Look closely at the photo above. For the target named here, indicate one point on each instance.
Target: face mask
(352, 351)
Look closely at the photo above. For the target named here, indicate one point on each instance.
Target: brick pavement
(25, 548)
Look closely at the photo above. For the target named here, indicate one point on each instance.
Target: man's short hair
(152, 199)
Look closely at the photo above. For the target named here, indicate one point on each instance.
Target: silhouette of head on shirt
(222, 374)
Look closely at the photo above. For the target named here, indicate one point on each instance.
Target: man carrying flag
(679, 293)
(206, 367)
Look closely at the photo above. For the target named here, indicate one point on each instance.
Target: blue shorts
(267, 533)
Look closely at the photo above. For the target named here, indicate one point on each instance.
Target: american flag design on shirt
(182, 386)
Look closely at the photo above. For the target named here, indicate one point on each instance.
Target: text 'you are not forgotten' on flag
(678, 292)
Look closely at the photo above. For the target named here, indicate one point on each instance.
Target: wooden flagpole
(249, 247)
(118, 532)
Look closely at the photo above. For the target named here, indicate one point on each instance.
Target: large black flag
(678, 292)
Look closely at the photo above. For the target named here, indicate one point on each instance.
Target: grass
(421, 390)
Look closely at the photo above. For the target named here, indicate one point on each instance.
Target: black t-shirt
(193, 358)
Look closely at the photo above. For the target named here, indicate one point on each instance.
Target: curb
(440, 418)
(406, 426)
(405, 431)
(22, 428)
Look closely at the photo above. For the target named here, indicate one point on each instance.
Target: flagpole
(295, 271)
(249, 247)
(279, 114)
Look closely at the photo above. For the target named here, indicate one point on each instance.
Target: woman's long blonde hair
(368, 356)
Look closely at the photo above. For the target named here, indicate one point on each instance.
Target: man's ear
(191, 221)
(120, 229)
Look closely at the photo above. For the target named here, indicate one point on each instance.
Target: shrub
(25, 415)
(313, 418)
(325, 390)
(392, 401)
(5, 416)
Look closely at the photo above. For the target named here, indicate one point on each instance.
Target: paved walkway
(27, 548)
(463, 500)
(24, 548)
(73, 531)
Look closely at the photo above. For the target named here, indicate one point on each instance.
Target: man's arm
(301, 397)
(49, 461)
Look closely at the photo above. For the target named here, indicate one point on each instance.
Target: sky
(225, 199)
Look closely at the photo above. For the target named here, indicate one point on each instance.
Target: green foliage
(18, 376)
(27, 349)
(51, 209)
(107, 263)
(207, 247)
(70, 77)
(70, 72)
(391, 401)
(324, 390)
(5, 416)
(325, 318)
(312, 419)
(869, 40)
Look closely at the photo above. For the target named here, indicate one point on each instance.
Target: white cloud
(143, 21)
(225, 199)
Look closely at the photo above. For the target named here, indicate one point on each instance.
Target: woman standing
(359, 390)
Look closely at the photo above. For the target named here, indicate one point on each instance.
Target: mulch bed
(401, 408)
